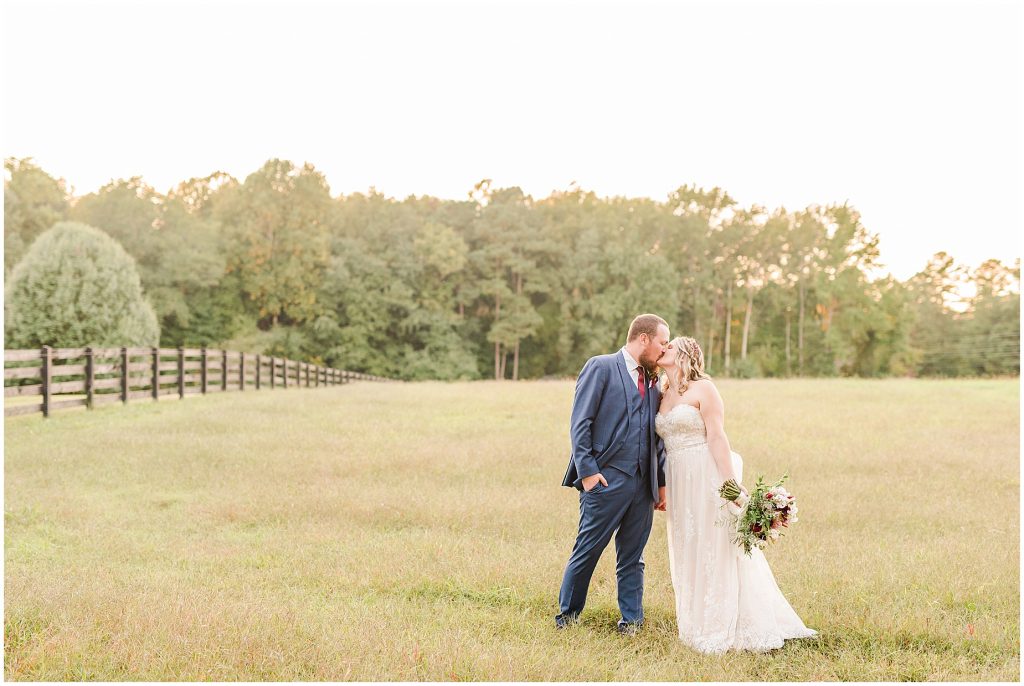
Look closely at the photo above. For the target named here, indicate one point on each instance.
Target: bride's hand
(662, 500)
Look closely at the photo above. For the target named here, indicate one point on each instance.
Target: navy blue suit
(612, 431)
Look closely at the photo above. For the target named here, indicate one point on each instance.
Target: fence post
(89, 377)
(46, 355)
(156, 373)
(284, 371)
(306, 365)
(259, 366)
(241, 371)
(316, 376)
(202, 374)
(124, 375)
(181, 372)
(272, 372)
(224, 370)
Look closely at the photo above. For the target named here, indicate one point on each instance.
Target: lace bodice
(682, 427)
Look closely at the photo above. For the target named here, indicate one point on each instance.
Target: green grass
(419, 532)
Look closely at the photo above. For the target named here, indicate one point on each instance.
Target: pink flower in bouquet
(771, 509)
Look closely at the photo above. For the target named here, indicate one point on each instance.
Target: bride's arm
(712, 409)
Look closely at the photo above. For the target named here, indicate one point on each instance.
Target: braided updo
(689, 364)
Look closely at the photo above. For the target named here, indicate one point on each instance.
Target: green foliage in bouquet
(769, 510)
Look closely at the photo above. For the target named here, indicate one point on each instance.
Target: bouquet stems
(730, 490)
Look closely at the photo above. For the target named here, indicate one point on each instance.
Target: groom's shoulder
(604, 361)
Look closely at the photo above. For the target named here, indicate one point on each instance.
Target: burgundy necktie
(641, 381)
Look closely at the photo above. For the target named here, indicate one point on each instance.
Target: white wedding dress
(724, 599)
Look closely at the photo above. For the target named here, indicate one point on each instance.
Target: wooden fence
(56, 378)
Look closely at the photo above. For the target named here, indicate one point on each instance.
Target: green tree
(439, 350)
(803, 255)
(198, 302)
(990, 341)
(75, 287)
(510, 253)
(431, 288)
(849, 252)
(276, 224)
(129, 211)
(33, 202)
(692, 243)
(180, 250)
(934, 295)
(391, 293)
(613, 272)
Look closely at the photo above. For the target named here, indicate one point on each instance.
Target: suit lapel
(627, 384)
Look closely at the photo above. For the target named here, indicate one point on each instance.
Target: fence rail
(48, 376)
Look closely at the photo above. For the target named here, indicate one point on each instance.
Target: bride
(724, 599)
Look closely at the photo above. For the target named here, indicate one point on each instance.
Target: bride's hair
(689, 364)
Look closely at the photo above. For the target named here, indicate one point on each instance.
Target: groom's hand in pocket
(590, 481)
(661, 499)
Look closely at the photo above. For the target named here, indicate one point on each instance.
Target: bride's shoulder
(705, 388)
(705, 384)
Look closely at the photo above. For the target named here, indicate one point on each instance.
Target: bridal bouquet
(765, 513)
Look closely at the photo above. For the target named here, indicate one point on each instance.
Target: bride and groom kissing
(639, 446)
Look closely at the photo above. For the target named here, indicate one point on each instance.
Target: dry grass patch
(419, 532)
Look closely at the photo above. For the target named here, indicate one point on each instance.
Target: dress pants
(624, 504)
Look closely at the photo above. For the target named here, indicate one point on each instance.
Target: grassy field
(419, 532)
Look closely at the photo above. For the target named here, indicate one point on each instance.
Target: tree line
(503, 285)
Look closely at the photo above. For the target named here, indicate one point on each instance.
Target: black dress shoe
(565, 621)
(629, 628)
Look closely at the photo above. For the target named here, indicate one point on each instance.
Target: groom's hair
(645, 323)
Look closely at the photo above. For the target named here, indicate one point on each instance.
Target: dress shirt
(631, 365)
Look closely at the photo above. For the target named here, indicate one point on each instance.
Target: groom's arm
(589, 388)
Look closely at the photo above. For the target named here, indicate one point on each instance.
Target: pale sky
(911, 111)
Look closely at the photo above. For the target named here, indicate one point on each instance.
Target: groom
(618, 466)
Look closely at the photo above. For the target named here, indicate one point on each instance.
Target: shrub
(76, 287)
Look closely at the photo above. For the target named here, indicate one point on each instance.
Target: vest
(640, 411)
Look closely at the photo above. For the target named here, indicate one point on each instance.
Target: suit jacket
(601, 421)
